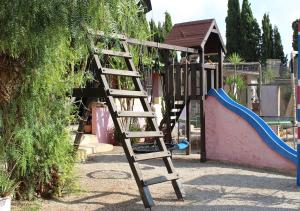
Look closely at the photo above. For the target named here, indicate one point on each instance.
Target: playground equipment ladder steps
(138, 93)
(174, 110)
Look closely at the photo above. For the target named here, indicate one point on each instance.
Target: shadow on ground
(219, 189)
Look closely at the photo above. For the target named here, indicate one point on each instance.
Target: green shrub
(47, 39)
(7, 186)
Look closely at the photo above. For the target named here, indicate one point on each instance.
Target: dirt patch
(106, 183)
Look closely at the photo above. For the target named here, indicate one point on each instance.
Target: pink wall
(231, 138)
(102, 124)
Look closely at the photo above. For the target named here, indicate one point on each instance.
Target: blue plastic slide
(262, 128)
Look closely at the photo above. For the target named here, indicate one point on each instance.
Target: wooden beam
(88, 92)
(145, 42)
(214, 31)
(161, 45)
(220, 67)
(202, 117)
(210, 66)
(216, 78)
(187, 106)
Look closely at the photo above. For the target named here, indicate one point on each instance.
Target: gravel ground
(106, 183)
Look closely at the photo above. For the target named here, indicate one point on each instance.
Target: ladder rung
(109, 71)
(135, 114)
(175, 110)
(161, 179)
(180, 102)
(144, 134)
(152, 155)
(115, 53)
(126, 93)
(102, 34)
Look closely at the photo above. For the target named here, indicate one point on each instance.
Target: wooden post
(202, 114)
(220, 67)
(187, 105)
(168, 90)
(216, 75)
(260, 85)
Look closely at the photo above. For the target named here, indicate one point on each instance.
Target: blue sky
(282, 13)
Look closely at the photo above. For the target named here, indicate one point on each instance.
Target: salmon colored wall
(230, 138)
(102, 124)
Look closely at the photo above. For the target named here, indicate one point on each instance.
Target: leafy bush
(7, 186)
(47, 38)
(237, 82)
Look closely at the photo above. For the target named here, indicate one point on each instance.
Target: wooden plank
(161, 46)
(138, 176)
(202, 117)
(101, 34)
(136, 114)
(178, 82)
(188, 107)
(210, 66)
(161, 179)
(126, 93)
(193, 80)
(108, 71)
(88, 92)
(144, 134)
(208, 79)
(179, 102)
(184, 87)
(220, 67)
(171, 80)
(150, 156)
(145, 42)
(113, 53)
(216, 77)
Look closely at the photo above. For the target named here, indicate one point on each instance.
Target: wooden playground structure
(183, 82)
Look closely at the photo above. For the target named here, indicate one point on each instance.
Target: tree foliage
(295, 34)
(48, 39)
(168, 25)
(234, 83)
(250, 34)
(233, 22)
(277, 46)
(244, 34)
(267, 38)
(161, 30)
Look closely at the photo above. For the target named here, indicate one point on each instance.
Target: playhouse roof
(203, 34)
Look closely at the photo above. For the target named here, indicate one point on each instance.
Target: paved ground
(107, 184)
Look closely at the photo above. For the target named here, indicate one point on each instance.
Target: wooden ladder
(174, 110)
(139, 93)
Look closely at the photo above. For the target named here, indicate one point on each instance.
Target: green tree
(160, 33)
(267, 38)
(235, 59)
(45, 43)
(167, 24)
(233, 21)
(153, 30)
(161, 30)
(250, 34)
(255, 42)
(277, 46)
(295, 34)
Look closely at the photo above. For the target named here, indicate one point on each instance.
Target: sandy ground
(106, 183)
